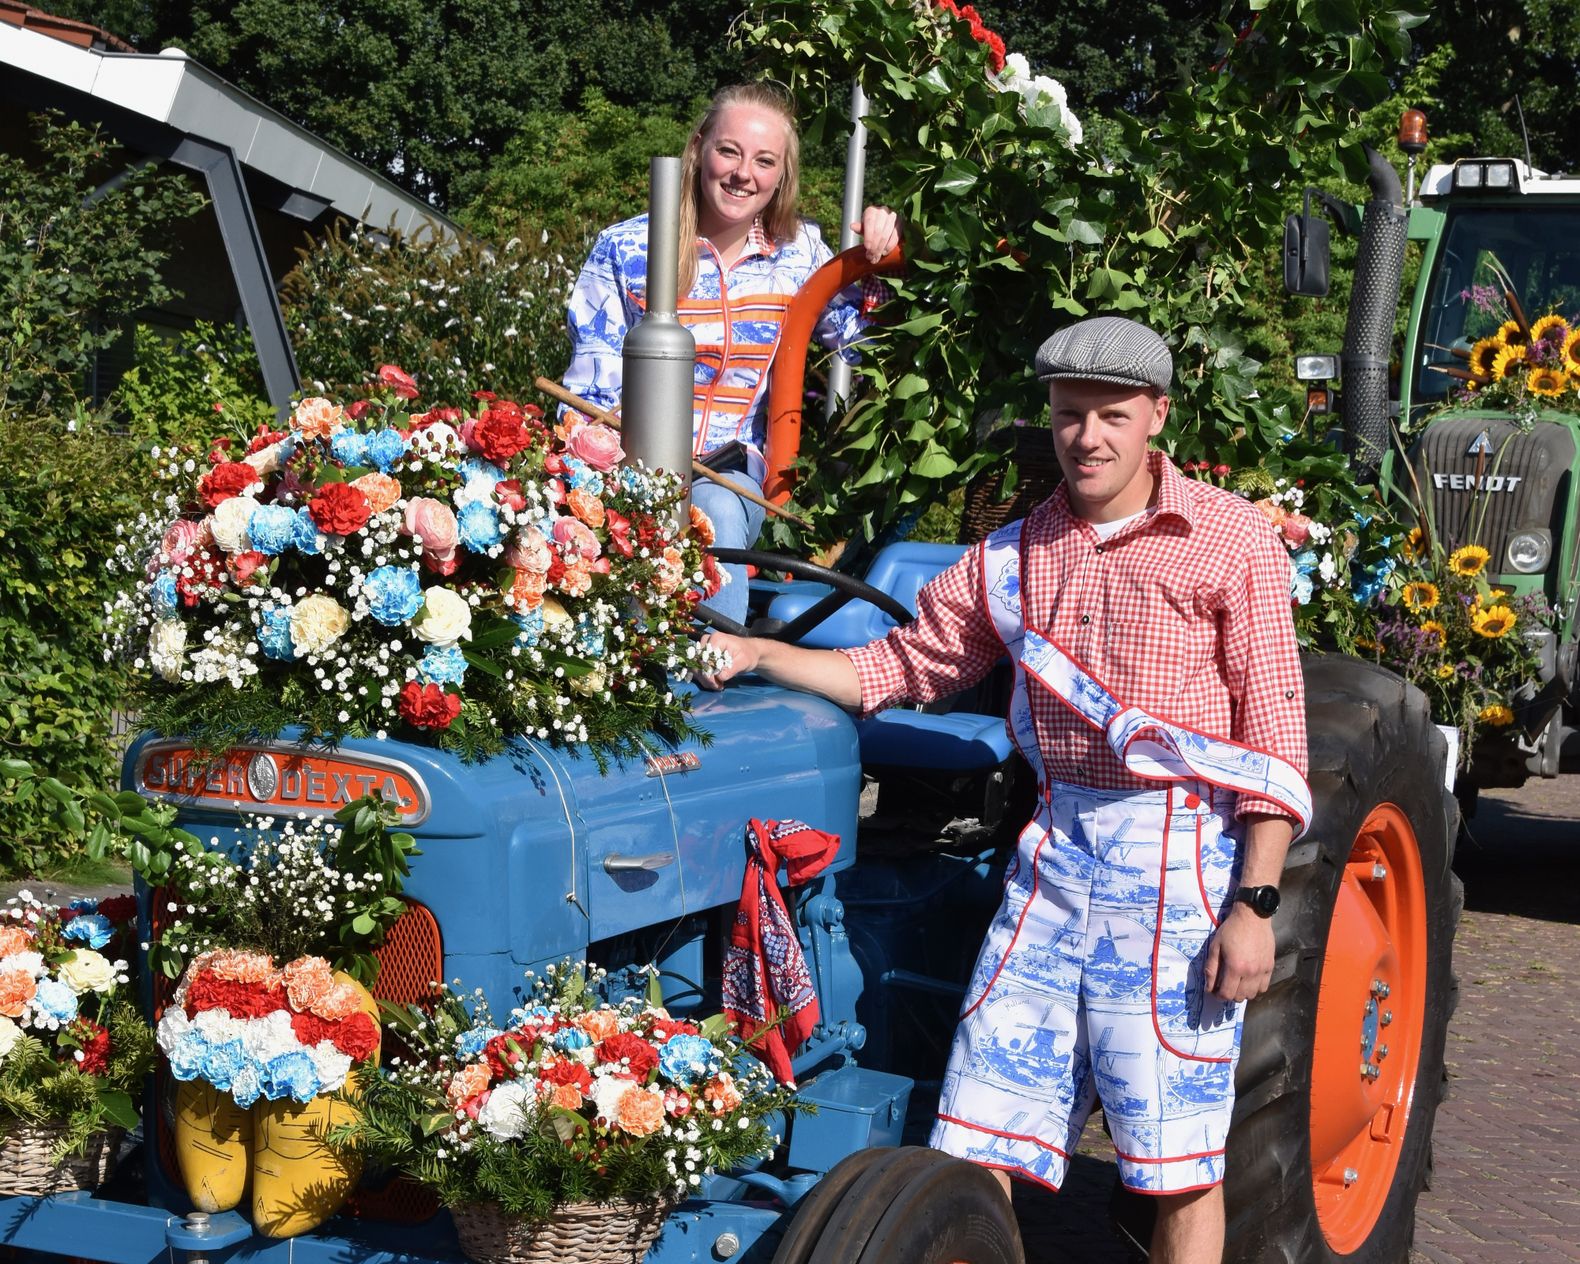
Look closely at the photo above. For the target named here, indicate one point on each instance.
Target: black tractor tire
(910, 1205)
(1371, 742)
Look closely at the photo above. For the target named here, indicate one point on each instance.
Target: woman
(739, 189)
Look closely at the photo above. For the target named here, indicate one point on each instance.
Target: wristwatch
(1263, 900)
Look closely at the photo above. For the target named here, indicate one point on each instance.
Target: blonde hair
(781, 217)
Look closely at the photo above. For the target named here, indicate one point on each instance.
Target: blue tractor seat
(950, 740)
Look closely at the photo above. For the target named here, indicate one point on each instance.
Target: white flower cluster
(1043, 98)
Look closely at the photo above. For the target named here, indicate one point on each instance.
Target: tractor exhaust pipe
(660, 351)
(1368, 330)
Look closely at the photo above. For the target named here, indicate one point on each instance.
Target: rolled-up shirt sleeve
(950, 645)
(1262, 659)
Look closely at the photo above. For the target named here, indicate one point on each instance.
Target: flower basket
(579, 1233)
(28, 1166)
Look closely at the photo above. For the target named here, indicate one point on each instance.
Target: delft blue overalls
(1089, 985)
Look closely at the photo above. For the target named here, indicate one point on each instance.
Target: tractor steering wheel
(847, 588)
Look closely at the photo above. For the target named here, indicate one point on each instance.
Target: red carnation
(357, 1036)
(358, 410)
(567, 1071)
(506, 1053)
(118, 908)
(243, 566)
(310, 1029)
(666, 1028)
(398, 380)
(713, 578)
(556, 568)
(264, 438)
(509, 492)
(240, 1000)
(95, 1042)
(206, 579)
(619, 527)
(227, 479)
(427, 706)
(340, 509)
(503, 431)
(625, 1046)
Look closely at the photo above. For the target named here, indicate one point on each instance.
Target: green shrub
(458, 316)
(176, 387)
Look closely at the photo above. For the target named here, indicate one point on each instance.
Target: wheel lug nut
(1351, 1176)
(1379, 872)
(1387, 1017)
(1382, 1052)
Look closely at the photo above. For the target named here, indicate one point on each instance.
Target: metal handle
(628, 864)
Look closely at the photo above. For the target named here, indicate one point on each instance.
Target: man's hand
(1240, 956)
(743, 658)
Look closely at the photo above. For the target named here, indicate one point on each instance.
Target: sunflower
(1415, 544)
(1497, 715)
(1420, 595)
(1482, 355)
(1549, 382)
(1470, 560)
(1570, 355)
(1510, 334)
(1494, 622)
(1546, 325)
(1436, 631)
(1507, 360)
(1445, 671)
(1367, 644)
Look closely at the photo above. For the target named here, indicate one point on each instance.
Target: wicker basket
(581, 1233)
(27, 1168)
(1030, 450)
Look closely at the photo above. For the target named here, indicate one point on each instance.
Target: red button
(1192, 801)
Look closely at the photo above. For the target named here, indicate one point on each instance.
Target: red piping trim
(1169, 1193)
(1036, 881)
(1008, 1136)
(1157, 939)
(1201, 880)
(1178, 1158)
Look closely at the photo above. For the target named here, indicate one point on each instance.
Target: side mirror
(1306, 253)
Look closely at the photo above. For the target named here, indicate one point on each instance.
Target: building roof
(170, 89)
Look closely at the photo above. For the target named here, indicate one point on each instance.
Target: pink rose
(576, 538)
(433, 522)
(1297, 528)
(599, 446)
(529, 551)
(183, 538)
(398, 380)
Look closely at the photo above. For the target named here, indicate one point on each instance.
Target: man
(1158, 699)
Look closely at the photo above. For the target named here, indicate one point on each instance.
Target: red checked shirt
(1184, 613)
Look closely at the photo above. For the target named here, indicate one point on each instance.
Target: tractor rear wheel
(1341, 1065)
(910, 1205)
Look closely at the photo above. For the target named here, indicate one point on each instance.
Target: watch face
(1265, 900)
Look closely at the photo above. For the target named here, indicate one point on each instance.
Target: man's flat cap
(1107, 349)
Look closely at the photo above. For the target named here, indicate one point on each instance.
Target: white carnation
(218, 1027)
(167, 644)
(229, 523)
(333, 1066)
(504, 1114)
(30, 963)
(268, 1037)
(173, 1027)
(606, 1095)
(10, 1033)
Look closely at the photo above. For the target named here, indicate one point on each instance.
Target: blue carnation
(385, 448)
(272, 529)
(246, 1086)
(92, 928)
(56, 1000)
(163, 592)
(469, 1044)
(477, 526)
(569, 1039)
(687, 1059)
(224, 1063)
(591, 637)
(189, 1056)
(531, 624)
(394, 594)
(274, 636)
(442, 665)
(474, 469)
(1307, 560)
(84, 904)
(307, 535)
(1300, 588)
(349, 447)
(524, 1014)
(292, 1074)
(581, 476)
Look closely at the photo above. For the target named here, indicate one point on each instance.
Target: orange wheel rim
(1370, 1011)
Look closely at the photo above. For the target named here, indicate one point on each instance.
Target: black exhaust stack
(1368, 331)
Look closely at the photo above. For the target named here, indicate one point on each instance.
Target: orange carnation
(315, 417)
(14, 939)
(237, 965)
(600, 1024)
(467, 1083)
(641, 1112)
(566, 1096)
(585, 506)
(16, 990)
(701, 527)
(339, 1002)
(721, 1094)
(307, 981)
(381, 490)
(526, 590)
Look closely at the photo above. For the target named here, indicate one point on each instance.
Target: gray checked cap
(1107, 349)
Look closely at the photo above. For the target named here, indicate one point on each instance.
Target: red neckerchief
(764, 968)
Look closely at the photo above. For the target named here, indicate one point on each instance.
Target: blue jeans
(736, 523)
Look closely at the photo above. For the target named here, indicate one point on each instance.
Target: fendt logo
(1477, 482)
(284, 780)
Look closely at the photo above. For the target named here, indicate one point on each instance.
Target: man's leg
(1189, 1228)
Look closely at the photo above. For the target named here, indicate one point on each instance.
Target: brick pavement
(1507, 1180)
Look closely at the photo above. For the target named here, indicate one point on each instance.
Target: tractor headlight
(1529, 551)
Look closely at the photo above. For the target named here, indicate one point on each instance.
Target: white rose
(167, 645)
(10, 1033)
(554, 613)
(267, 460)
(588, 685)
(87, 971)
(504, 1114)
(445, 617)
(318, 622)
(229, 520)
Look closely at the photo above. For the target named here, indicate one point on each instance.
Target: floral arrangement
(253, 1030)
(73, 1046)
(1457, 638)
(569, 1101)
(1522, 365)
(460, 575)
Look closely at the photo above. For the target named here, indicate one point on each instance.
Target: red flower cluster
(567, 1071)
(979, 32)
(242, 1000)
(340, 509)
(398, 380)
(94, 1041)
(638, 1053)
(427, 706)
(227, 479)
(507, 1052)
(664, 1028)
(357, 1036)
(505, 428)
(118, 908)
(207, 577)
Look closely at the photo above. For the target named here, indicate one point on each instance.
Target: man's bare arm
(826, 672)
